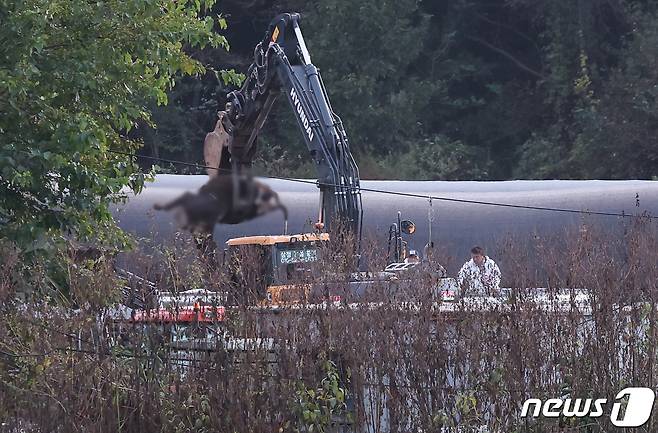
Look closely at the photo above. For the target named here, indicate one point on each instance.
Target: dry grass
(65, 367)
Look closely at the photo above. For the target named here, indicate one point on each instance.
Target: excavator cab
(269, 270)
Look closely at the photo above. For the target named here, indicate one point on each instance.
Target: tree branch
(509, 56)
(512, 29)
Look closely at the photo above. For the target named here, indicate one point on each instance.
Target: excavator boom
(282, 64)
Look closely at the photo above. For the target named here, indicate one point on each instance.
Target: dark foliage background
(469, 89)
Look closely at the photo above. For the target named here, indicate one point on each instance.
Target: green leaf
(71, 87)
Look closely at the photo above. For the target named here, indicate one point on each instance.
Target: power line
(397, 193)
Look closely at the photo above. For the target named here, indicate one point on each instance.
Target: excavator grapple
(281, 65)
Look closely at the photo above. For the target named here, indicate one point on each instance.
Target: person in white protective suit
(480, 275)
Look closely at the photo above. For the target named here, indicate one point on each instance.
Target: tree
(485, 89)
(599, 96)
(75, 78)
(617, 129)
(365, 52)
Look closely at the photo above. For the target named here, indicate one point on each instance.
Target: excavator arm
(282, 64)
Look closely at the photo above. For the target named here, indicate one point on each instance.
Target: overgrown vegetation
(380, 366)
(465, 90)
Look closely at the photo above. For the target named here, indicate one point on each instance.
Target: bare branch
(504, 53)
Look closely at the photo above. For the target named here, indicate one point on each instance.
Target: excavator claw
(213, 148)
(282, 66)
